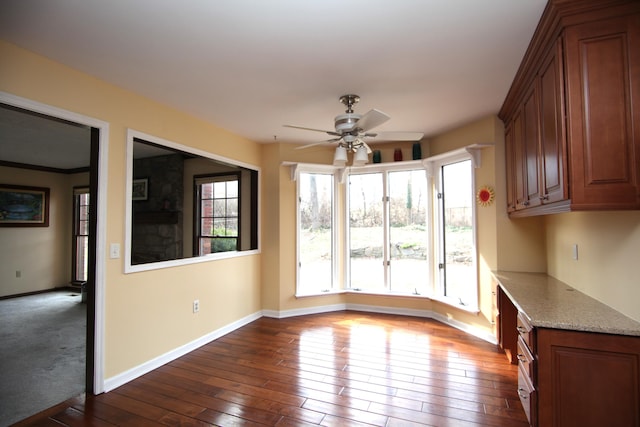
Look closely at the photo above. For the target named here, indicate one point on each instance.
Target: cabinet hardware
(523, 393)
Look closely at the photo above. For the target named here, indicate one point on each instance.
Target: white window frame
(198, 235)
(337, 173)
(340, 223)
(434, 169)
(384, 169)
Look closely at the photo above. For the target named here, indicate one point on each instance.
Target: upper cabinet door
(603, 95)
(531, 133)
(552, 128)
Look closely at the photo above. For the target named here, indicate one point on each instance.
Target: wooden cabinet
(570, 138)
(603, 93)
(552, 129)
(506, 326)
(571, 378)
(586, 379)
(527, 379)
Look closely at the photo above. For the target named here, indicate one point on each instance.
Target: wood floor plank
(332, 369)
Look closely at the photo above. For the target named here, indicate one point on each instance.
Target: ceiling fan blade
(371, 119)
(397, 136)
(369, 151)
(328, 132)
(314, 144)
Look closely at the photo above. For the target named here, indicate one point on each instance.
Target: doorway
(95, 166)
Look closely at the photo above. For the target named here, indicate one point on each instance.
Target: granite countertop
(550, 303)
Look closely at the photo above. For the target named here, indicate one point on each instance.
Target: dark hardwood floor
(337, 369)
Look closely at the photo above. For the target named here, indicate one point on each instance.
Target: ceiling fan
(352, 129)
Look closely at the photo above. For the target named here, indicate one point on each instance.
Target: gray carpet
(42, 352)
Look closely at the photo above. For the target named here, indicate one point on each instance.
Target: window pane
(231, 227)
(206, 191)
(366, 235)
(206, 207)
(232, 189)
(84, 213)
(219, 226)
(232, 207)
(219, 207)
(315, 232)
(408, 236)
(83, 228)
(460, 280)
(82, 258)
(206, 226)
(217, 244)
(220, 189)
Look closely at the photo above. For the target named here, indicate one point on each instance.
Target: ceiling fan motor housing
(346, 122)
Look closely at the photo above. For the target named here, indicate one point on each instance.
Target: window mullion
(386, 245)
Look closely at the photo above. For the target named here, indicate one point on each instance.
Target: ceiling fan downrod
(349, 101)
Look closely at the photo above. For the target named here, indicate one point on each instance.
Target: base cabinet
(587, 379)
(571, 378)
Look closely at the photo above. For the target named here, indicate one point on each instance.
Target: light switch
(114, 250)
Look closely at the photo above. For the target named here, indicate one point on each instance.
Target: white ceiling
(251, 66)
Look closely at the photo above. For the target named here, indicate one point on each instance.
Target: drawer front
(527, 394)
(525, 359)
(525, 330)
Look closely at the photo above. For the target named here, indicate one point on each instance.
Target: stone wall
(157, 229)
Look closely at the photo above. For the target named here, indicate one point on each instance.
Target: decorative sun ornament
(485, 196)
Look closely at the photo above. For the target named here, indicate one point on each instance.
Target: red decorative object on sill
(397, 155)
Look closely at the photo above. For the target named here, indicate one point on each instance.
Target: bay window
(402, 228)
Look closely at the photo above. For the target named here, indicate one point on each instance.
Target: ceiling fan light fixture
(361, 157)
(340, 156)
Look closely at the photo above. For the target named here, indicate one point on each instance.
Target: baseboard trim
(304, 311)
(123, 378)
(483, 335)
(133, 373)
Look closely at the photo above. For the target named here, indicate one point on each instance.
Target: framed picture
(140, 189)
(22, 206)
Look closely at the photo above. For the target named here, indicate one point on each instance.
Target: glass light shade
(340, 157)
(361, 156)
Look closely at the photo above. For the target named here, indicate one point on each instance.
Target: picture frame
(140, 190)
(24, 206)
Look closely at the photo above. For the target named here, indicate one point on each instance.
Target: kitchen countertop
(550, 303)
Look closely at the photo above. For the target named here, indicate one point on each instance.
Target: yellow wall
(608, 265)
(147, 313)
(279, 283)
(41, 254)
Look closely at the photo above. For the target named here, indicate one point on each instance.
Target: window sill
(443, 300)
(455, 304)
(321, 293)
(352, 291)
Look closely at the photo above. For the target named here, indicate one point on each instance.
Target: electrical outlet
(196, 305)
(18, 274)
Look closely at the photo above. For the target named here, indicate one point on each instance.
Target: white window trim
(431, 166)
(472, 153)
(136, 268)
(296, 169)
